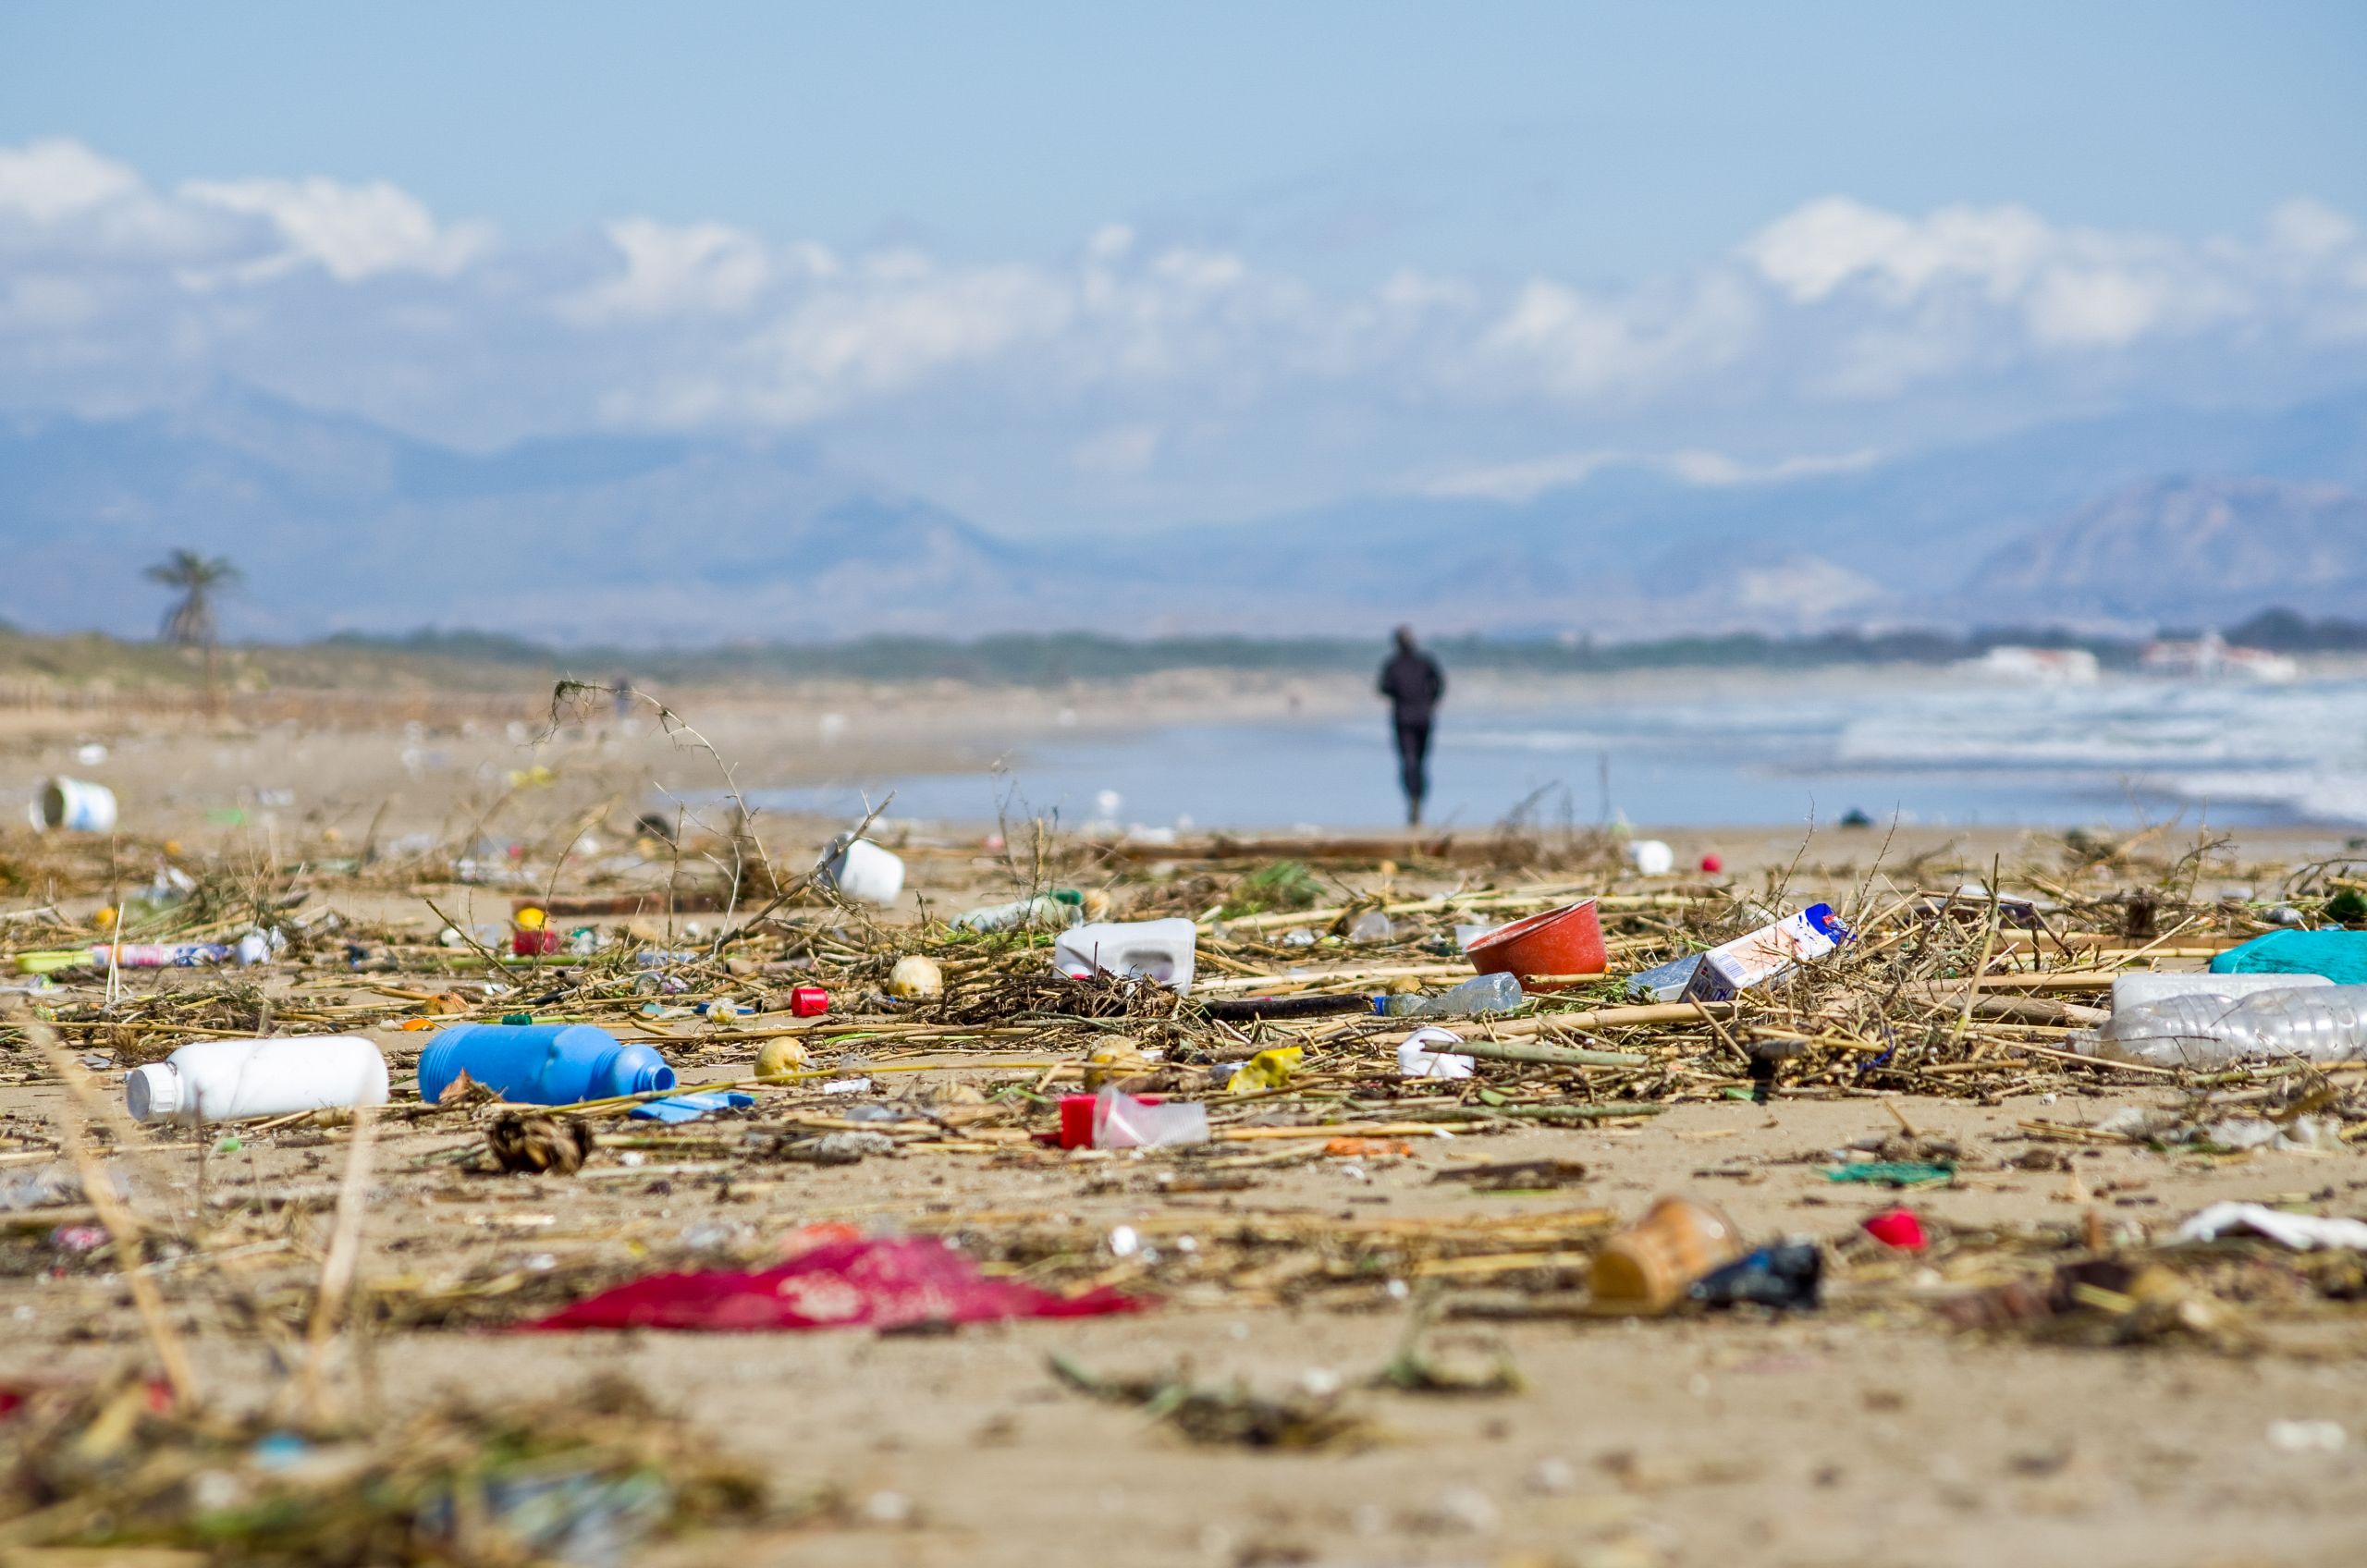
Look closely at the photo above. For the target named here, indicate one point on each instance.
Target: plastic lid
(152, 1091)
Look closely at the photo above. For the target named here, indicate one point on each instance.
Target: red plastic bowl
(1561, 941)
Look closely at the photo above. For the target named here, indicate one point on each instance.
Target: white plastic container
(865, 872)
(1430, 1053)
(241, 1080)
(1163, 950)
(2138, 989)
(73, 805)
(1651, 857)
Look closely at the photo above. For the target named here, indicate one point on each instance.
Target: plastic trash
(1370, 927)
(541, 1063)
(1646, 1268)
(1651, 857)
(1768, 953)
(915, 978)
(1164, 951)
(1789, 1276)
(1486, 993)
(251, 949)
(1561, 941)
(1046, 911)
(2302, 1232)
(1464, 935)
(780, 1057)
(839, 1284)
(1664, 983)
(2311, 1023)
(2340, 956)
(1270, 1068)
(865, 872)
(2144, 987)
(1121, 1121)
(690, 1108)
(243, 1080)
(1900, 1227)
(1424, 1054)
(72, 805)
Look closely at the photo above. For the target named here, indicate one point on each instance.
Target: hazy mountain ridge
(645, 539)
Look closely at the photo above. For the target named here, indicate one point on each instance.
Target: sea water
(1931, 749)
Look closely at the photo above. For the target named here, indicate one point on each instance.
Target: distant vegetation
(487, 662)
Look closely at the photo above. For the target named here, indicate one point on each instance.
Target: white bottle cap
(153, 1092)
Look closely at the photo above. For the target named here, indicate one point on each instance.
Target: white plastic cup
(242, 1080)
(1121, 1121)
(865, 872)
(73, 805)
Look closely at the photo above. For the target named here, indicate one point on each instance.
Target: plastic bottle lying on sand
(239, 1080)
(2140, 989)
(1044, 911)
(541, 1063)
(1164, 951)
(2312, 1022)
(1485, 993)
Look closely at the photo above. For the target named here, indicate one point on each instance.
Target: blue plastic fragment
(690, 1108)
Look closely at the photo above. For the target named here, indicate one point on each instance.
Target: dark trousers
(1414, 758)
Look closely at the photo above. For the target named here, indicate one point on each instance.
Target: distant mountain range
(2160, 515)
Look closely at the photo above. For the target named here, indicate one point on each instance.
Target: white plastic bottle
(241, 1080)
(2312, 1022)
(1163, 950)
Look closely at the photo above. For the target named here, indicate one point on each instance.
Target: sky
(1072, 267)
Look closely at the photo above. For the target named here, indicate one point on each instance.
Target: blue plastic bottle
(541, 1063)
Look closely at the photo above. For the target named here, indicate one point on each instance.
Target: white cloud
(1522, 481)
(705, 269)
(362, 296)
(352, 231)
(56, 178)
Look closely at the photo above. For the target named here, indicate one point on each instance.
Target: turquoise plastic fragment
(2340, 956)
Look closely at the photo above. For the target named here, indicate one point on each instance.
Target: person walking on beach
(1412, 683)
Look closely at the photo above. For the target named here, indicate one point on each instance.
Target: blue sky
(1063, 264)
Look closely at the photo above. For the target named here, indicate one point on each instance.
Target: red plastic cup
(1561, 941)
(532, 944)
(1900, 1227)
(808, 1001)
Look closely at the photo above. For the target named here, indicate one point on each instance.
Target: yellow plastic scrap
(1267, 1069)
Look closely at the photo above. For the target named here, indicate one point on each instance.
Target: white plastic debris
(1424, 1056)
(2302, 1232)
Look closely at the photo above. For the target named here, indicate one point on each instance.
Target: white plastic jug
(73, 804)
(1163, 950)
(241, 1080)
(865, 872)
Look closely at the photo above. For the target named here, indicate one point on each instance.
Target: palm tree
(190, 623)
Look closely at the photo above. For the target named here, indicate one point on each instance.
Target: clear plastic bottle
(1486, 992)
(2314, 1023)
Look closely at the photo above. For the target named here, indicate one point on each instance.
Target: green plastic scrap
(1892, 1173)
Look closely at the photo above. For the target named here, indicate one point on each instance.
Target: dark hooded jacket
(1412, 683)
